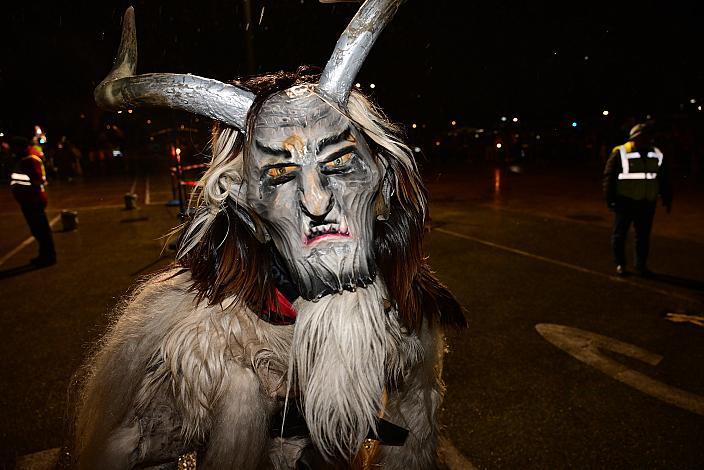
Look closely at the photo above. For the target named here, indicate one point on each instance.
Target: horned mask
(308, 181)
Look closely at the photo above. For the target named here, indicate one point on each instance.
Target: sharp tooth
(326, 228)
(343, 227)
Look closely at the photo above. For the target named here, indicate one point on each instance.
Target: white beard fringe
(338, 364)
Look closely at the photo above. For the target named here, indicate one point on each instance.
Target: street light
(414, 125)
(503, 118)
(498, 145)
(372, 86)
(605, 112)
(515, 119)
(454, 123)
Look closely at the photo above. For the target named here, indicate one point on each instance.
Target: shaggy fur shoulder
(170, 359)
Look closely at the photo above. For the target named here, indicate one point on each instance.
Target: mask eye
(279, 171)
(339, 162)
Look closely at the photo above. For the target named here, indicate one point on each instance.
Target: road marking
(134, 185)
(563, 264)
(451, 457)
(587, 347)
(24, 243)
(42, 460)
(147, 197)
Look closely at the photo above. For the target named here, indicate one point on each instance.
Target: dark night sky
(438, 60)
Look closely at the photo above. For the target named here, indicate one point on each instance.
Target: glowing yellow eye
(339, 161)
(279, 171)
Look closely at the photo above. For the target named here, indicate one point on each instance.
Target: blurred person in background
(27, 182)
(635, 174)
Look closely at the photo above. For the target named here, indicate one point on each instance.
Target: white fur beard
(337, 358)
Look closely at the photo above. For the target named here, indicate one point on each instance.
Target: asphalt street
(518, 250)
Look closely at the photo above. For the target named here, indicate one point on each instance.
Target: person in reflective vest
(27, 183)
(635, 174)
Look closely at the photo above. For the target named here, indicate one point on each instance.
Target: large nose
(316, 198)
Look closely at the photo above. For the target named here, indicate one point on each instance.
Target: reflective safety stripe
(637, 176)
(656, 154)
(625, 167)
(624, 160)
(19, 176)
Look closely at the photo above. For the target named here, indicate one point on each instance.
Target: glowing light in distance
(574, 123)
(437, 142)
(605, 112)
(454, 123)
(38, 130)
(692, 101)
(149, 121)
(498, 145)
(178, 151)
(515, 119)
(2, 134)
(358, 85)
(414, 125)
(372, 86)
(119, 112)
(416, 149)
(699, 108)
(129, 111)
(503, 118)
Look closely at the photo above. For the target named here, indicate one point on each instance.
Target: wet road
(530, 251)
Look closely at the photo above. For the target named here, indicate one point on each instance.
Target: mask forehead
(296, 119)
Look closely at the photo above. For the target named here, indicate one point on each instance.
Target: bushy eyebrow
(272, 151)
(333, 139)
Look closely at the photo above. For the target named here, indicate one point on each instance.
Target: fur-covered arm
(123, 418)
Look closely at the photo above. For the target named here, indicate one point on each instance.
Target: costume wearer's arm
(611, 172)
(113, 432)
(664, 183)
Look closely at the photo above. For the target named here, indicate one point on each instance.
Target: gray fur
(172, 376)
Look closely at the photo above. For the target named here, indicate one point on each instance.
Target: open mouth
(316, 233)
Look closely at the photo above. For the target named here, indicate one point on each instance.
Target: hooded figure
(302, 326)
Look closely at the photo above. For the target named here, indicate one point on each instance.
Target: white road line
(134, 185)
(147, 197)
(587, 347)
(451, 457)
(574, 267)
(24, 243)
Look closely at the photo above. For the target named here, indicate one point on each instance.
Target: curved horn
(354, 46)
(122, 89)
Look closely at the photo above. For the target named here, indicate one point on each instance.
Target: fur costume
(301, 326)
